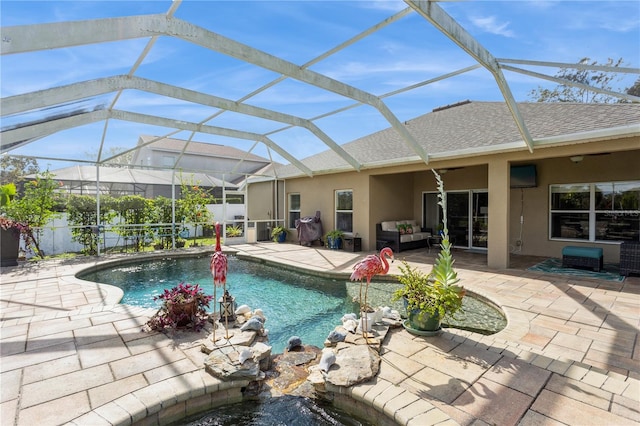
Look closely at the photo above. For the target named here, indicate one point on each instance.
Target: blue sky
(403, 53)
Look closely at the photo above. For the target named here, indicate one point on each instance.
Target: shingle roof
(133, 176)
(475, 126)
(210, 149)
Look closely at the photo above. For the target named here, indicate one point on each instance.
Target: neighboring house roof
(473, 128)
(132, 176)
(199, 148)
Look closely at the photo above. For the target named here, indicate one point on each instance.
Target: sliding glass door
(480, 224)
(458, 217)
(467, 216)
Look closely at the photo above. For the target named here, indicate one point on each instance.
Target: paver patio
(569, 355)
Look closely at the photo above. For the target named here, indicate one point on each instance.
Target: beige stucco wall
(619, 166)
(396, 192)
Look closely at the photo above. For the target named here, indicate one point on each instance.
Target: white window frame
(292, 210)
(591, 211)
(343, 211)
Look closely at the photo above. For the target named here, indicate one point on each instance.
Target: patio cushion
(591, 252)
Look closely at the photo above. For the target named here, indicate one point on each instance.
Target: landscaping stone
(357, 363)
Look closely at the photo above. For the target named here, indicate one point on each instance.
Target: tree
(568, 93)
(14, 169)
(162, 214)
(118, 160)
(136, 212)
(37, 206)
(635, 89)
(82, 214)
(192, 206)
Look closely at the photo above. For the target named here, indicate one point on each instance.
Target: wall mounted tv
(524, 176)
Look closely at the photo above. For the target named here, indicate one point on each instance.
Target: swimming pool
(294, 303)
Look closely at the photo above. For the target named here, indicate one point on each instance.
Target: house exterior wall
(318, 194)
(616, 166)
(396, 192)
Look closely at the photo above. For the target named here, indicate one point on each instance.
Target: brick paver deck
(569, 355)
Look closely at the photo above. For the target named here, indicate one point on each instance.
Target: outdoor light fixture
(227, 308)
(576, 158)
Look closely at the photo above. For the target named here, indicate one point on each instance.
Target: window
(168, 160)
(608, 211)
(344, 210)
(294, 209)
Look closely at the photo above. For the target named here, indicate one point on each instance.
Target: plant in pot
(11, 230)
(334, 239)
(234, 231)
(158, 244)
(180, 242)
(279, 234)
(183, 307)
(429, 298)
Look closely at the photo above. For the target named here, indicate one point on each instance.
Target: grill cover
(309, 229)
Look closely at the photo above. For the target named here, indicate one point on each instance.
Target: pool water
(285, 410)
(294, 304)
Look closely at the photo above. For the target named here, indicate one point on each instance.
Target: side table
(353, 244)
(629, 258)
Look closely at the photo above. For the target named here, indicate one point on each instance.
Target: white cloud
(490, 25)
(388, 5)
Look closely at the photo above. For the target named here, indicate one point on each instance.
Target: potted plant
(183, 307)
(234, 231)
(158, 244)
(334, 239)
(11, 230)
(279, 234)
(180, 242)
(429, 298)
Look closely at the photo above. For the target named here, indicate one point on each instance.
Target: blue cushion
(592, 252)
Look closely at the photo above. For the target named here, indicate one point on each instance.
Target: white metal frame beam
(57, 95)
(14, 137)
(454, 31)
(29, 38)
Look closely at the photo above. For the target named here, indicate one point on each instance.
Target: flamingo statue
(367, 268)
(218, 268)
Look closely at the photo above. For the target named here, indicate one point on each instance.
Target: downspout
(98, 207)
(173, 208)
(224, 209)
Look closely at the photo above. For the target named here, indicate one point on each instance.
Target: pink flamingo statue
(367, 268)
(218, 268)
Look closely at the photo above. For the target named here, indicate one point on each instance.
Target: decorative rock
(291, 372)
(223, 364)
(387, 312)
(258, 313)
(347, 317)
(336, 336)
(287, 359)
(242, 309)
(253, 324)
(245, 354)
(350, 325)
(262, 354)
(358, 363)
(293, 343)
(236, 338)
(316, 378)
(327, 360)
